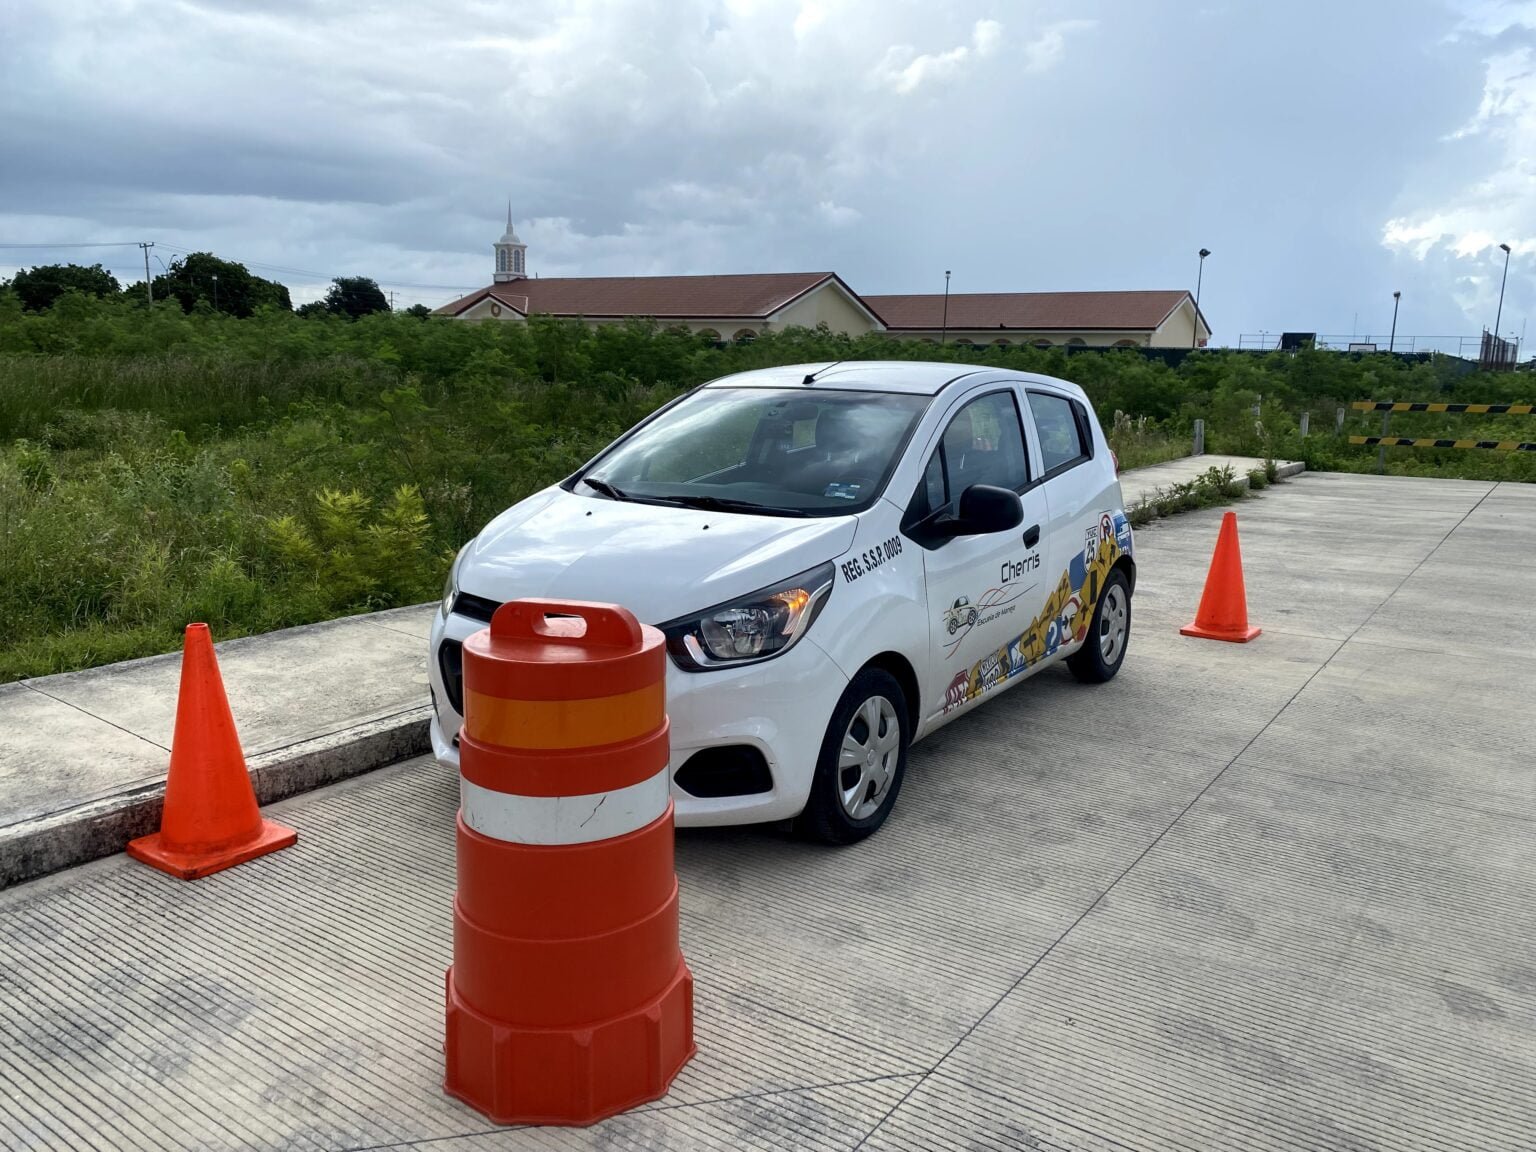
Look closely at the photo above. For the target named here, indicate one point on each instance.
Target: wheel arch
(1128, 566)
(901, 669)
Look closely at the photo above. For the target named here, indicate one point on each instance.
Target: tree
(39, 287)
(420, 311)
(355, 296)
(224, 284)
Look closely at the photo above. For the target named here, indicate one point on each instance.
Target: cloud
(1461, 227)
(986, 35)
(1047, 49)
(694, 124)
(904, 70)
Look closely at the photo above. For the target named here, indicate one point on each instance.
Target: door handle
(1032, 536)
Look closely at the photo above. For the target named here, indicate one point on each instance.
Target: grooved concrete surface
(1273, 896)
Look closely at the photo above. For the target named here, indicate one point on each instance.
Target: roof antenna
(810, 377)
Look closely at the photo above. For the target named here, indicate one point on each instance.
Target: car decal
(1063, 620)
(866, 562)
(959, 618)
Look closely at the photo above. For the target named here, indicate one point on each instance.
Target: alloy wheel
(867, 761)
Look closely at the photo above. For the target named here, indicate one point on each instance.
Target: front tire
(1109, 633)
(863, 760)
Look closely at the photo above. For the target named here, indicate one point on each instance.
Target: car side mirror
(986, 508)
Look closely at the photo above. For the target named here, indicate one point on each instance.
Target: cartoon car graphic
(959, 615)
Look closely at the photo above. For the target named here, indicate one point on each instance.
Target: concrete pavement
(1264, 896)
(83, 756)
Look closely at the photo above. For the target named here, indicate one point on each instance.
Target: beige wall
(993, 335)
(1177, 330)
(827, 305)
(724, 329)
(482, 311)
(1172, 333)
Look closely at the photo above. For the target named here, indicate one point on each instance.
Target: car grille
(475, 607)
(450, 663)
(450, 654)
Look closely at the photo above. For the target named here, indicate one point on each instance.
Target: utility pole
(944, 324)
(1392, 340)
(149, 291)
(1194, 336)
(1500, 315)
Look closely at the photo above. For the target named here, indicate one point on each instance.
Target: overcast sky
(1326, 153)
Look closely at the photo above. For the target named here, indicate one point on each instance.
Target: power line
(329, 276)
(455, 289)
(93, 244)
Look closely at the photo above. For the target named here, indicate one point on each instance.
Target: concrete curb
(103, 827)
(1284, 470)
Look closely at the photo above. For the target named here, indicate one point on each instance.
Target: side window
(983, 444)
(1062, 441)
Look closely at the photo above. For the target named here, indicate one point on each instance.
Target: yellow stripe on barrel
(588, 723)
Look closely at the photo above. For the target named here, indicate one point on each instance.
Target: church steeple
(510, 253)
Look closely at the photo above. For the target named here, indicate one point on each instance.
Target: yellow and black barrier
(1387, 407)
(1409, 442)
(1488, 409)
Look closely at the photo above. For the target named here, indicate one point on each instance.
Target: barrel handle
(607, 625)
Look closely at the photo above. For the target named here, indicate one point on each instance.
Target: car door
(983, 590)
(1079, 522)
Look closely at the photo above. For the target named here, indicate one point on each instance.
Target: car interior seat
(834, 454)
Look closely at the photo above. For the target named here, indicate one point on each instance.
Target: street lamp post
(944, 324)
(1500, 315)
(1392, 340)
(1194, 336)
(215, 291)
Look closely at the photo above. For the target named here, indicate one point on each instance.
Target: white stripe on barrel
(564, 819)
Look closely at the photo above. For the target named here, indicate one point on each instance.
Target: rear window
(1062, 427)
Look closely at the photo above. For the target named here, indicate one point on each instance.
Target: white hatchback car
(843, 557)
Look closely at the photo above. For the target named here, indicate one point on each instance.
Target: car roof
(919, 377)
(915, 377)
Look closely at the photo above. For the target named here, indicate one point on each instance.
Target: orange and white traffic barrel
(569, 999)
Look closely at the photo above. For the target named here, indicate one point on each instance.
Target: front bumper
(781, 707)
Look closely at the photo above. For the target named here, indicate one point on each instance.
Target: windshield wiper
(725, 504)
(605, 488)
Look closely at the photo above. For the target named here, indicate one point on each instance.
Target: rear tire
(863, 760)
(1109, 633)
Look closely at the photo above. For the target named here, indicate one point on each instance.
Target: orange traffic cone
(210, 821)
(1223, 613)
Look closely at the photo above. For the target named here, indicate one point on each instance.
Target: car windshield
(768, 451)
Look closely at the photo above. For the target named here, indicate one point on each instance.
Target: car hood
(659, 562)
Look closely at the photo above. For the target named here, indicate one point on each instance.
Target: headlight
(451, 585)
(756, 627)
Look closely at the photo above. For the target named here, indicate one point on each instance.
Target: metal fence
(1465, 347)
(1496, 354)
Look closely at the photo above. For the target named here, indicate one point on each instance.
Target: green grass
(159, 467)
(1212, 488)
